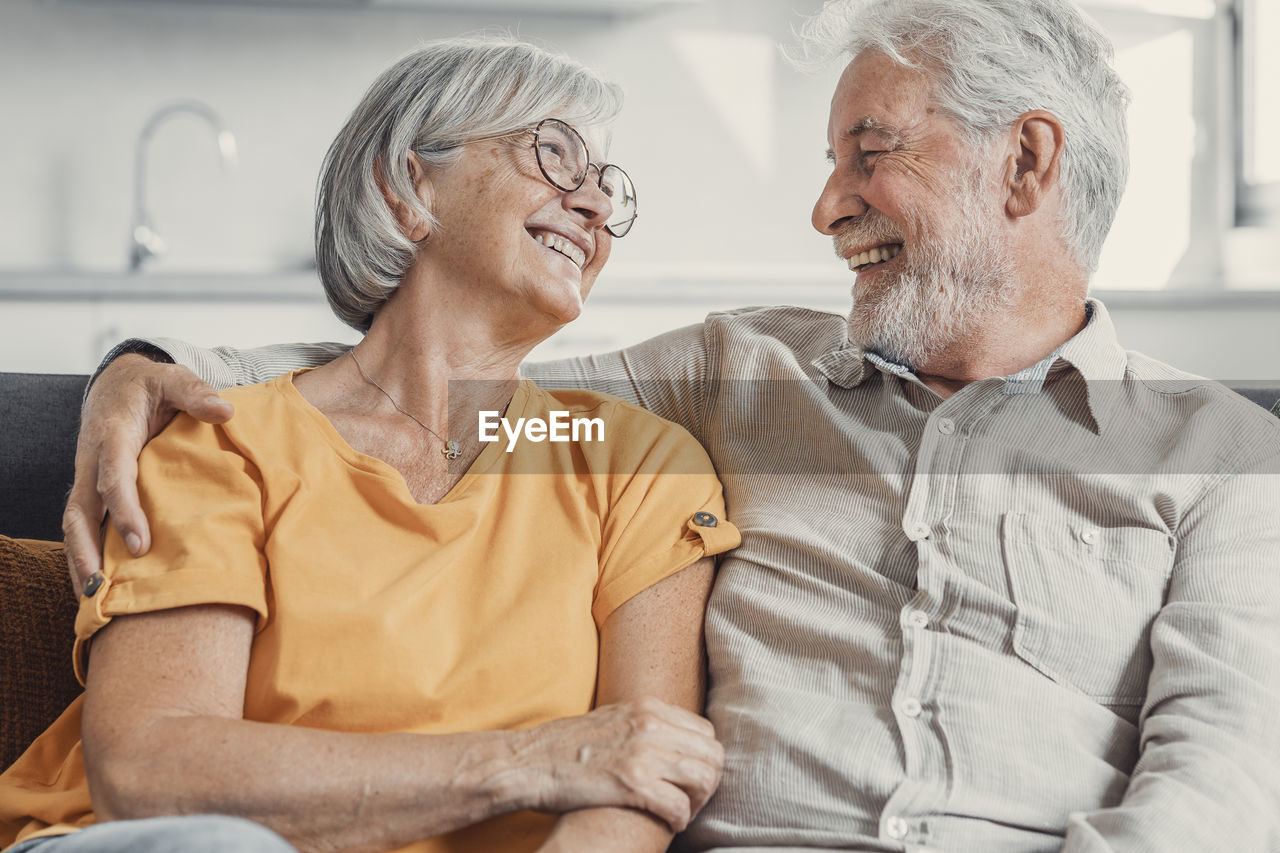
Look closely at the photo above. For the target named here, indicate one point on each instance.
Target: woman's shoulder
(264, 412)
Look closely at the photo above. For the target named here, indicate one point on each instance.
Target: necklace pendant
(451, 450)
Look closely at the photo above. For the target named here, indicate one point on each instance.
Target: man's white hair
(994, 60)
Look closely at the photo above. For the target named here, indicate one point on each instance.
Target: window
(1258, 152)
(1203, 198)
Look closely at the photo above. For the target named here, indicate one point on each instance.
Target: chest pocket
(1085, 599)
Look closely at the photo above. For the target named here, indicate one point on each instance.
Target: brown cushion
(37, 631)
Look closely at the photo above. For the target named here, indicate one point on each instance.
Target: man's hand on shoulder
(129, 403)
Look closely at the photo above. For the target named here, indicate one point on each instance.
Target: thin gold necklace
(451, 450)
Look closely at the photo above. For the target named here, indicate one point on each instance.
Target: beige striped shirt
(1041, 614)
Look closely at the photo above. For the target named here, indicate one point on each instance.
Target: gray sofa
(39, 418)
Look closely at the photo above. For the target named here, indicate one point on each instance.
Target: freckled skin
(481, 250)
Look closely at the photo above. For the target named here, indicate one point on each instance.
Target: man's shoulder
(1198, 405)
(807, 331)
(631, 439)
(629, 418)
(782, 319)
(1162, 379)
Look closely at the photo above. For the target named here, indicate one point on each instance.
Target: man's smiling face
(915, 210)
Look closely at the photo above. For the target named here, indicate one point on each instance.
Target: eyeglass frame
(600, 167)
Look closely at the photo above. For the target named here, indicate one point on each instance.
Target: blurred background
(227, 109)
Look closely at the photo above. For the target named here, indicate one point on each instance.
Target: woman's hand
(129, 403)
(643, 754)
(651, 646)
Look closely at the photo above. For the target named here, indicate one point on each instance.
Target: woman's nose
(589, 201)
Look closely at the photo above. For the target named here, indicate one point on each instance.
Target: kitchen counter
(252, 286)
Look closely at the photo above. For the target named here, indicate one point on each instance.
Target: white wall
(79, 79)
(724, 139)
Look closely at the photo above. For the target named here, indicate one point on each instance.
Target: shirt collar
(845, 366)
(1093, 352)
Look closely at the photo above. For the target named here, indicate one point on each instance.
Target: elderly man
(1003, 586)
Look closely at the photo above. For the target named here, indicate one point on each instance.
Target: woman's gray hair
(994, 60)
(431, 102)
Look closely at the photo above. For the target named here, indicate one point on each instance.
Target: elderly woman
(360, 627)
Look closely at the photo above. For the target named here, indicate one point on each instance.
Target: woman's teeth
(561, 245)
(874, 256)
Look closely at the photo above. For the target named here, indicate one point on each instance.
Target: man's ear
(1033, 172)
(412, 225)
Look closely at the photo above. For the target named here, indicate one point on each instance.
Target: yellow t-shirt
(376, 613)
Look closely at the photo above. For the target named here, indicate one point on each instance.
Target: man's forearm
(227, 367)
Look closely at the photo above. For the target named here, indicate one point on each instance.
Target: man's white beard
(948, 287)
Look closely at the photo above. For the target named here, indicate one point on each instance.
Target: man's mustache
(869, 230)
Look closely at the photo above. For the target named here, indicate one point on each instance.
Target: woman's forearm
(608, 830)
(163, 734)
(321, 790)
(327, 790)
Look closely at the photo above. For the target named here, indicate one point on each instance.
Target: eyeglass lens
(563, 158)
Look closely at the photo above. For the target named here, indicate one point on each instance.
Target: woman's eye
(551, 150)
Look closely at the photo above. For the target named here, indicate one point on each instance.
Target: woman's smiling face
(505, 234)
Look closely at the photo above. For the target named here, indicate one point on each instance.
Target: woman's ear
(412, 225)
(1038, 138)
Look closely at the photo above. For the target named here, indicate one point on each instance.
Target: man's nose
(838, 203)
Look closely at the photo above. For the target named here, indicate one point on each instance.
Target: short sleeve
(203, 500)
(662, 518)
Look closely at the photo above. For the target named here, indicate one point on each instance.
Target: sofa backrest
(39, 421)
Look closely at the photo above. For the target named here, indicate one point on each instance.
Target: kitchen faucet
(144, 242)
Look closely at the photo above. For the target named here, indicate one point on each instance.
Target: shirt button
(911, 707)
(896, 827)
(921, 530)
(1089, 536)
(705, 519)
(946, 426)
(918, 619)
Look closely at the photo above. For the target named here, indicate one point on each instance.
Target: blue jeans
(190, 834)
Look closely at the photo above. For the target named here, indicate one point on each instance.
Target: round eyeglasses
(565, 162)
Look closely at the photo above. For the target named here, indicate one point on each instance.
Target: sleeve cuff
(129, 347)
(105, 599)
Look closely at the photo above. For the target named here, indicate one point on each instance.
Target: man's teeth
(874, 256)
(563, 246)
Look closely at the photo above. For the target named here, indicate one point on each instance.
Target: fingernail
(134, 543)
